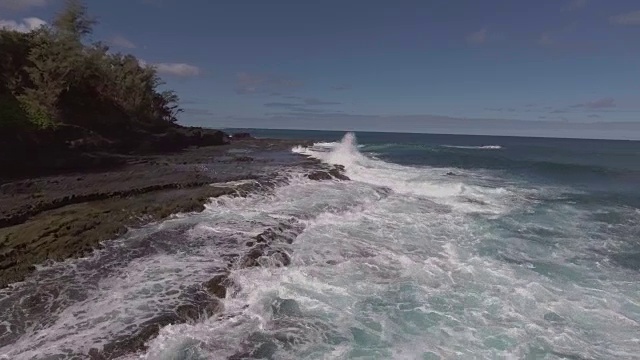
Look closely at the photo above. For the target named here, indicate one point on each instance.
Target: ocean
(440, 247)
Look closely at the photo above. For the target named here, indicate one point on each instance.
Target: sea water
(440, 247)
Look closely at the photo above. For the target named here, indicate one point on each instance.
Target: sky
(568, 68)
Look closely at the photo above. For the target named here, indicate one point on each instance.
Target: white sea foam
(425, 182)
(482, 147)
(397, 264)
(396, 274)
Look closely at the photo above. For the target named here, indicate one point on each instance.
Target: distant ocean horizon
(296, 133)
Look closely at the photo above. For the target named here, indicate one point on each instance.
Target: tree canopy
(52, 76)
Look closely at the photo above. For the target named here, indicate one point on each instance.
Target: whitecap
(482, 147)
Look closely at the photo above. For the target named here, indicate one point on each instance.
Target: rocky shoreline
(48, 219)
(68, 215)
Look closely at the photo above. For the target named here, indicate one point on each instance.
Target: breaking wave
(401, 262)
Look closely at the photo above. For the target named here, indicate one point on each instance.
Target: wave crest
(426, 182)
(481, 147)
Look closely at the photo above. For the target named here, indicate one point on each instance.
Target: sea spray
(429, 183)
(402, 262)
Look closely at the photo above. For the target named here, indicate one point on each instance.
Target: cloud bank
(122, 42)
(603, 103)
(24, 26)
(628, 19)
(178, 69)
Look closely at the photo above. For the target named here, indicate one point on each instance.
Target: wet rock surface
(336, 172)
(204, 301)
(132, 196)
(320, 175)
(69, 215)
(217, 286)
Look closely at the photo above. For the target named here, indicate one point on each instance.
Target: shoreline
(101, 226)
(54, 218)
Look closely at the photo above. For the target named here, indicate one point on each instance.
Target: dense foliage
(51, 77)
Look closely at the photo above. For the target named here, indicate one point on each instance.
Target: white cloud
(22, 4)
(26, 25)
(178, 69)
(598, 104)
(630, 18)
(122, 42)
(477, 38)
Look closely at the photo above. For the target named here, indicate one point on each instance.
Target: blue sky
(551, 67)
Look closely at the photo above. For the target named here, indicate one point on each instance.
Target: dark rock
(242, 135)
(475, 201)
(180, 138)
(337, 173)
(267, 236)
(5, 264)
(334, 173)
(243, 159)
(288, 239)
(553, 317)
(217, 286)
(251, 258)
(211, 138)
(188, 312)
(74, 148)
(280, 257)
(319, 176)
(70, 214)
(201, 308)
(94, 354)
(136, 342)
(199, 305)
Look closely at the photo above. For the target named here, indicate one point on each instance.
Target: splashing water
(402, 262)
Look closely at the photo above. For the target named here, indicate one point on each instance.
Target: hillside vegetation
(50, 78)
(58, 91)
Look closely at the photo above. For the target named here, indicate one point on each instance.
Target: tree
(74, 21)
(50, 77)
(167, 103)
(54, 64)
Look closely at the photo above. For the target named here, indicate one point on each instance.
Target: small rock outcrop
(217, 286)
(319, 176)
(336, 172)
(270, 247)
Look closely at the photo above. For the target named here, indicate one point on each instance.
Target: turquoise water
(483, 247)
(440, 247)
